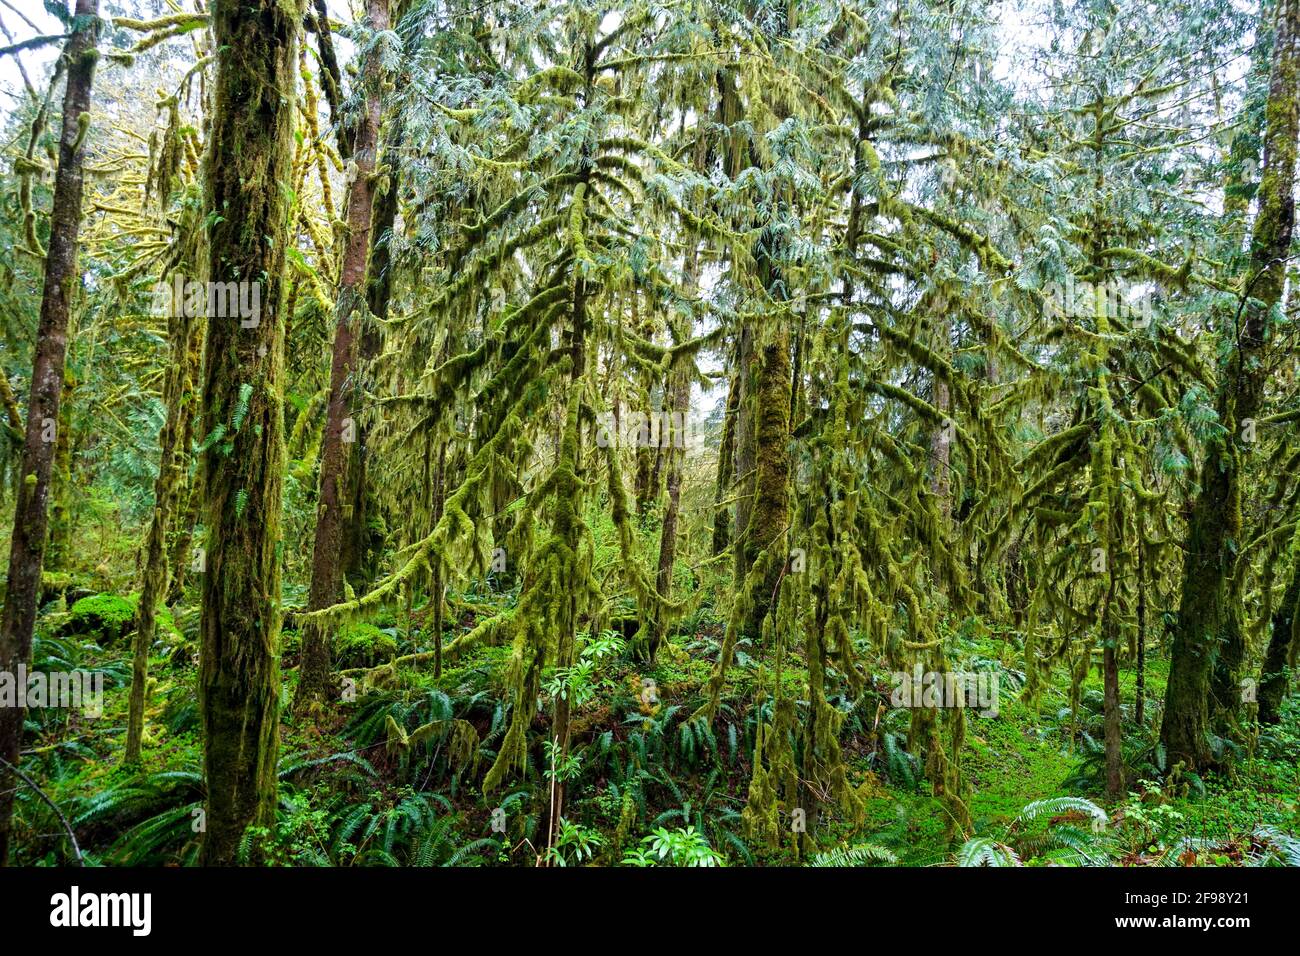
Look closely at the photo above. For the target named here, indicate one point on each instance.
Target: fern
(1053, 806)
(241, 406)
(981, 851)
(1274, 846)
(860, 854)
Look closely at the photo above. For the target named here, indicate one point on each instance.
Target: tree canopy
(686, 432)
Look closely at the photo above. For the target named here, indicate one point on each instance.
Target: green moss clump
(109, 617)
(363, 644)
(105, 617)
(55, 582)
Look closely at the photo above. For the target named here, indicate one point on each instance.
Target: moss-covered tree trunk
(1283, 643)
(13, 423)
(769, 489)
(644, 484)
(180, 556)
(61, 511)
(559, 558)
(1113, 730)
(941, 440)
(248, 167)
(743, 463)
(1204, 619)
(726, 464)
(31, 515)
(566, 528)
(437, 584)
(762, 453)
(679, 402)
(314, 673)
(764, 434)
(1209, 641)
(184, 334)
(189, 495)
(331, 77)
(1140, 689)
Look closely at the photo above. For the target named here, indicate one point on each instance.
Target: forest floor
(352, 794)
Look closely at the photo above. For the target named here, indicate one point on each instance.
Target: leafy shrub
(681, 847)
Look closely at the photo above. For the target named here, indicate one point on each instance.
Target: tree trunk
(567, 527)
(437, 586)
(567, 524)
(314, 673)
(250, 158)
(61, 490)
(643, 483)
(764, 437)
(679, 396)
(31, 515)
(743, 456)
(181, 556)
(1114, 738)
(1209, 643)
(763, 415)
(769, 507)
(173, 460)
(1140, 692)
(941, 442)
(189, 496)
(1203, 619)
(361, 543)
(726, 455)
(1282, 646)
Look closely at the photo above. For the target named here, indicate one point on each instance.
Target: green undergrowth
(390, 774)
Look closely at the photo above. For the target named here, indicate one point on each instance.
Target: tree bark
(155, 576)
(361, 542)
(743, 456)
(1282, 646)
(249, 161)
(1209, 642)
(31, 515)
(769, 502)
(763, 415)
(941, 442)
(679, 401)
(189, 496)
(60, 536)
(722, 486)
(314, 672)
(1114, 737)
(1140, 691)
